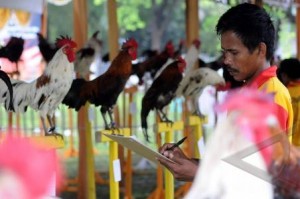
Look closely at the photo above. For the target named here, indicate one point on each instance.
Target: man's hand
(185, 169)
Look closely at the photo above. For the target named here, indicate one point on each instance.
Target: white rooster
(195, 81)
(239, 152)
(46, 92)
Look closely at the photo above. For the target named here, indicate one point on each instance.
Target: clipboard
(132, 143)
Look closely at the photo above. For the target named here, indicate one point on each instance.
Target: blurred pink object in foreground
(26, 171)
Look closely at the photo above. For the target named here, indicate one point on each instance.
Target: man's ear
(262, 49)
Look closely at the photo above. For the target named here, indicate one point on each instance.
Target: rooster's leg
(51, 123)
(163, 117)
(44, 125)
(103, 111)
(51, 131)
(112, 122)
(197, 107)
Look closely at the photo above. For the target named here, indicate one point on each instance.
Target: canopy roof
(35, 6)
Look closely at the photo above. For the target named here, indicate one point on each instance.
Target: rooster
(7, 94)
(154, 63)
(161, 92)
(46, 92)
(13, 50)
(86, 55)
(249, 129)
(195, 81)
(231, 83)
(192, 55)
(47, 49)
(104, 90)
(176, 54)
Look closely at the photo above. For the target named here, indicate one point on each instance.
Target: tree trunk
(159, 21)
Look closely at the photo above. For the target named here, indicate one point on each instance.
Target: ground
(144, 180)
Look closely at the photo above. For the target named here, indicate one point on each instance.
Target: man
(289, 74)
(247, 41)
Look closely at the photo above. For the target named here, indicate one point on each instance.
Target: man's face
(239, 61)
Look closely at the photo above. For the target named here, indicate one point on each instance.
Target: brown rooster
(161, 92)
(105, 89)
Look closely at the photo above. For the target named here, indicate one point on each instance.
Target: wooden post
(298, 27)
(113, 32)
(187, 148)
(44, 19)
(192, 22)
(128, 163)
(86, 187)
(71, 152)
(159, 190)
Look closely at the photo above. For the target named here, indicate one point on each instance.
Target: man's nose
(226, 59)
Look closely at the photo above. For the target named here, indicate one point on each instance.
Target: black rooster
(161, 92)
(47, 49)
(13, 50)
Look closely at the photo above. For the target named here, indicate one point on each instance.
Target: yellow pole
(197, 122)
(169, 130)
(113, 185)
(113, 155)
(169, 179)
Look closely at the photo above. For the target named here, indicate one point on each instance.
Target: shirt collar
(263, 77)
(294, 83)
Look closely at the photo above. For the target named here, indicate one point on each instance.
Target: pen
(176, 144)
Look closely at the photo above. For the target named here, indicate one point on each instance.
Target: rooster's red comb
(181, 60)
(65, 40)
(197, 43)
(169, 44)
(130, 43)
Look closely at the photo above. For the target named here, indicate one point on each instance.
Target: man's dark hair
(251, 24)
(291, 67)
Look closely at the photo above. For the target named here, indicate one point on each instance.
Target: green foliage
(134, 18)
(210, 13)
(98, 2)
(60, 21)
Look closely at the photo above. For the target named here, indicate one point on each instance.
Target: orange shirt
(267, 81)
(294, 89)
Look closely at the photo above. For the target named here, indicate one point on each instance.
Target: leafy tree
(148, 20)
(60, 21)
(153, 22)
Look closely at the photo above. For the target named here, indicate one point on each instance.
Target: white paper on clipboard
(133, 144)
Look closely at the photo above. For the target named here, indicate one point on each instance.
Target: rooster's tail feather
(9, 97)
(73, 98)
